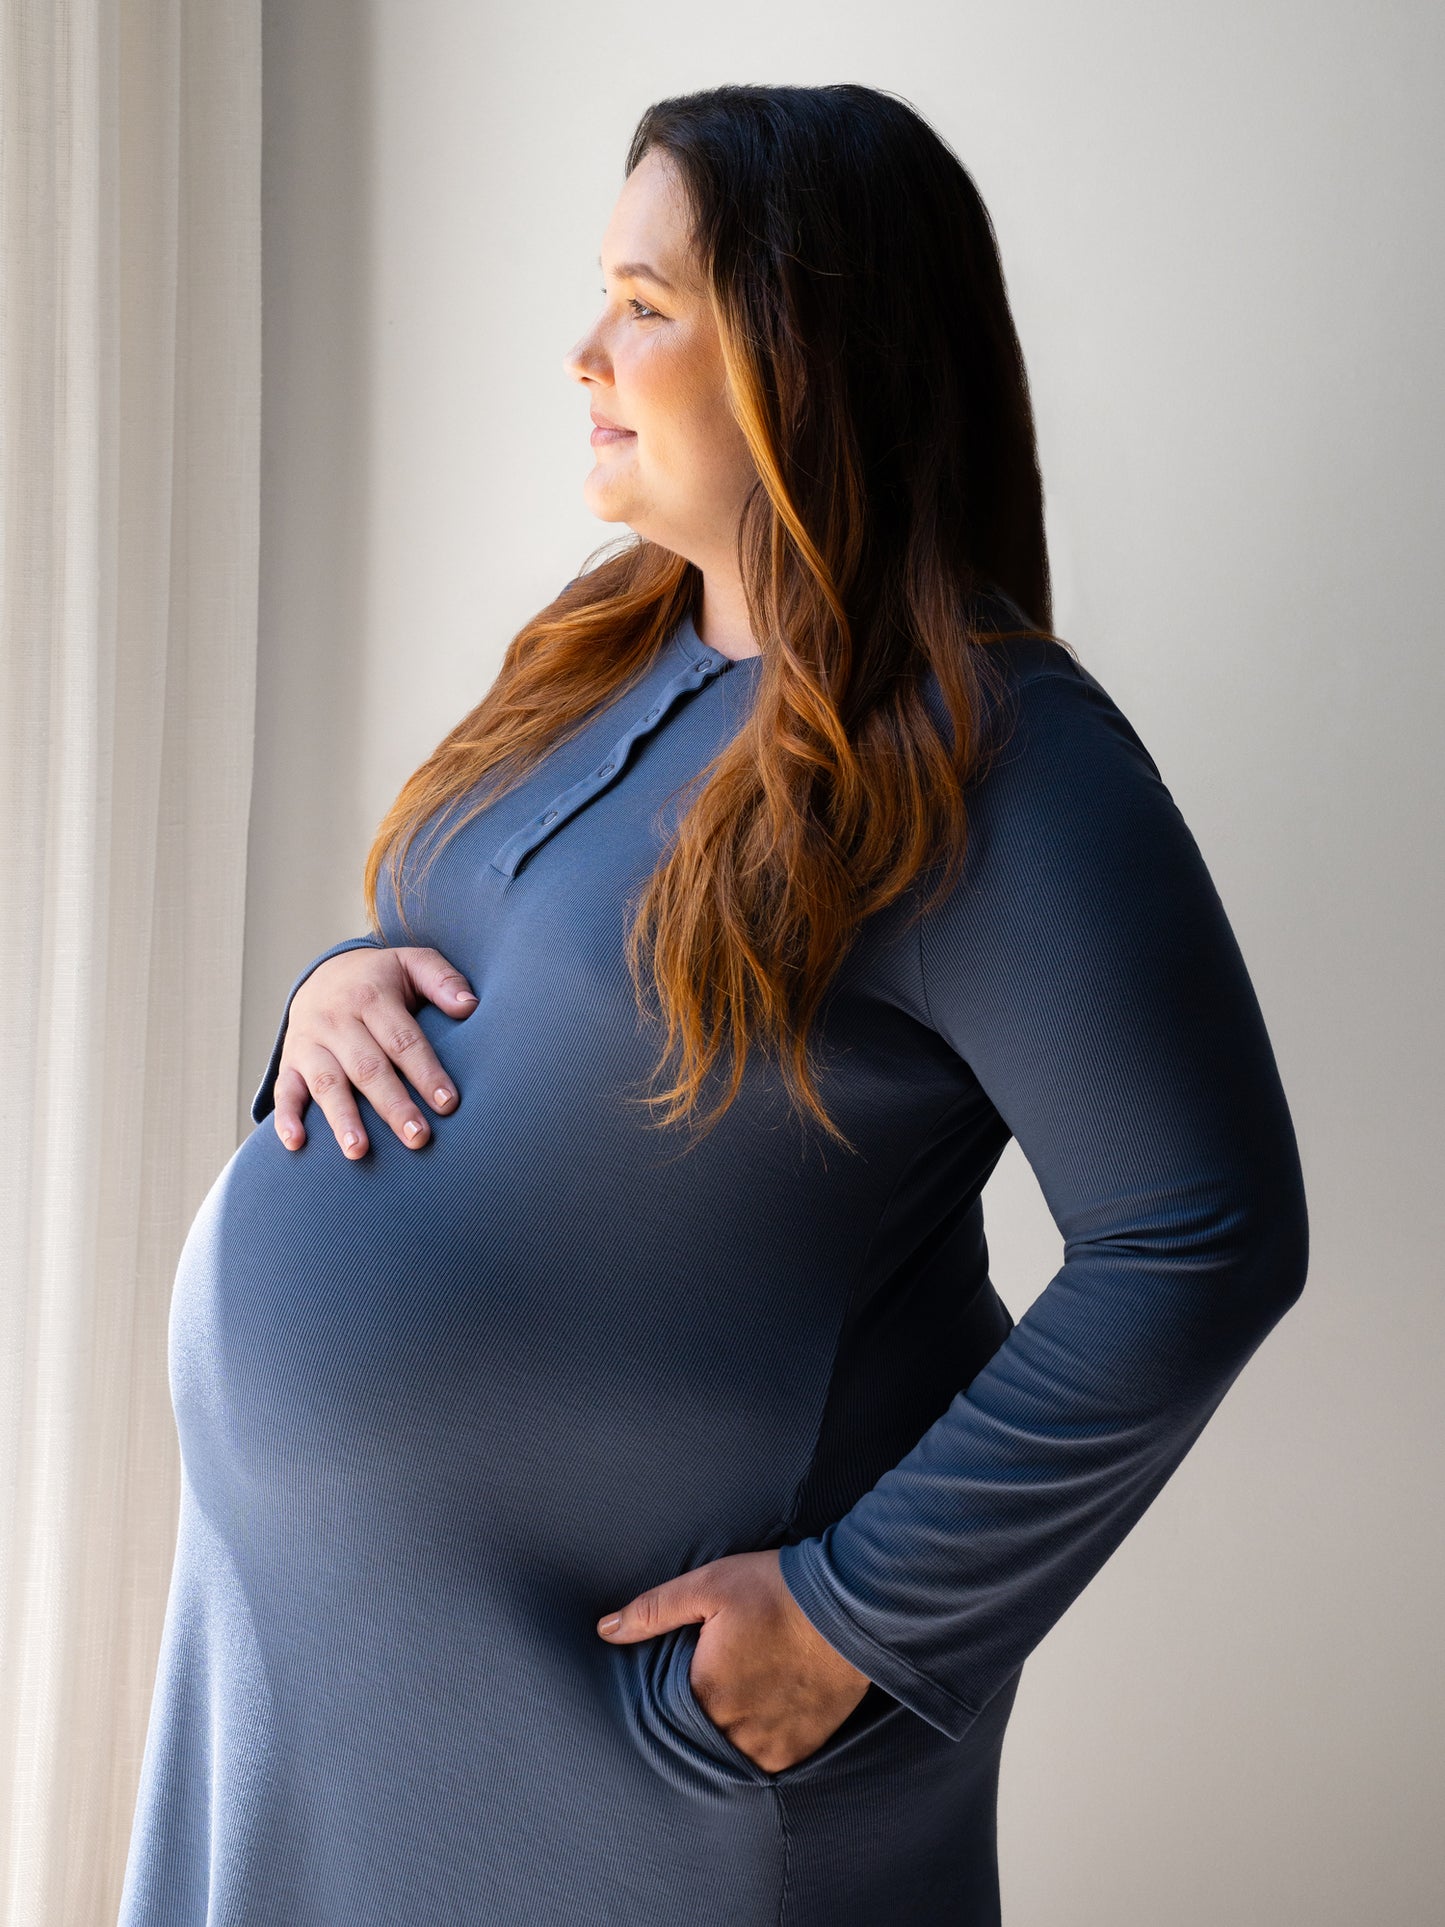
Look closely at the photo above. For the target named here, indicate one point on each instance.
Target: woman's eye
(639, 308)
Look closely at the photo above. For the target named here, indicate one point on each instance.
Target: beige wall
(1220, 226)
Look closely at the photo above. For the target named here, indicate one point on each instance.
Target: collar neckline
(696, 650)
(995, 609)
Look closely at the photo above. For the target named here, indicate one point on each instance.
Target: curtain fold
(130, 175)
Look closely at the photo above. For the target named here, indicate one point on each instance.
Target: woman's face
(652, 364)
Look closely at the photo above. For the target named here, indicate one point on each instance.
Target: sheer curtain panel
(130, 138)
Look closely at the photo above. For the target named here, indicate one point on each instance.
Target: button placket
(566, 805)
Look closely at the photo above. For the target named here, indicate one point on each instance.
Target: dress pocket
(709, 1733)
(678, 1736)
(669, 1683)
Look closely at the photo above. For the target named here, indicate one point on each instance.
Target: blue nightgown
(439, 1410)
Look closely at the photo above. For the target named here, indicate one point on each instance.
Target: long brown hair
(875, 371)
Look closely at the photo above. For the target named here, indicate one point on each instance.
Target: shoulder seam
(1075, 674)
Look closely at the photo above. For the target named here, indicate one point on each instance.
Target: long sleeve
(265, 1099)
(1085, 971)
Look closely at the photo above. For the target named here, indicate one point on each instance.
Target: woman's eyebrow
(638, 271)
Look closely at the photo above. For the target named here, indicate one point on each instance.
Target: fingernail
(610, 1623)
(286, 1134)
(466, 997)
(412, 1128)
(442, 1097)
(350, 1140)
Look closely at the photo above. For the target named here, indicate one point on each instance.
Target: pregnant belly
(546, 1337)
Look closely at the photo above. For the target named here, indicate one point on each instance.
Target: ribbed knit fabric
(440, 1410)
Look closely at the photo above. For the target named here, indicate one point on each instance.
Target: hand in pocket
(761, 1671)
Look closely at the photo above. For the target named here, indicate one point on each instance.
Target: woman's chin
(604, 498)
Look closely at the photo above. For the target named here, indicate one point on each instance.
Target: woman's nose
(581, 360)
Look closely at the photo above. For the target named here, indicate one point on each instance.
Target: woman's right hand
(349, 1024)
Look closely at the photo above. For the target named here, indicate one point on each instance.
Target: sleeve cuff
(804, 1576)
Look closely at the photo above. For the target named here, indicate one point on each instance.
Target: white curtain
(130, 134)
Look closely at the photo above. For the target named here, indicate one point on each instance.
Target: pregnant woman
(614, 1491)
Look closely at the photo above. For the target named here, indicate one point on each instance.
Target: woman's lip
(600, 435)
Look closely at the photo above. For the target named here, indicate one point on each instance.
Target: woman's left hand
(762, 1672)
